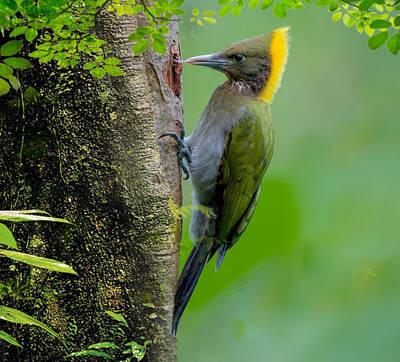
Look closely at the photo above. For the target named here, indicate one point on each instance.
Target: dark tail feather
(220, 256)
(188, 280)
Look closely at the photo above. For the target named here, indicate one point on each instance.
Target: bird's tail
(188, 279)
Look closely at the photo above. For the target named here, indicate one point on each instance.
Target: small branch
(154, 18)
(351, 4)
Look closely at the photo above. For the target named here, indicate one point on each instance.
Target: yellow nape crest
(278, 50)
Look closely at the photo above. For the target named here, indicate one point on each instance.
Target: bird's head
(257, 62)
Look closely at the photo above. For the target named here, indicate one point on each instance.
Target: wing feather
(248, 151)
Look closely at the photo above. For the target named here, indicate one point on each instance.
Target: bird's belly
(204, 168)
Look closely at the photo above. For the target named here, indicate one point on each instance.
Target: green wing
(248, 151)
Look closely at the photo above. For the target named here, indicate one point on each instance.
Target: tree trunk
(87, 151)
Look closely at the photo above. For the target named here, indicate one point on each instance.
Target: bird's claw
(183, 151)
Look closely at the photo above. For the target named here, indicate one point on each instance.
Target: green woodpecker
(230, 150)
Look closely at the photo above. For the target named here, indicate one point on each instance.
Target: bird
(229, 150)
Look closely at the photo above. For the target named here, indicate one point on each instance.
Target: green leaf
(336, 17)
(98, 72)
(31, 34)
(366, 4)
(33, 12)
(18, 31)
(163, 3)
(253, 3)
(9, 339)
(4, 22)
(7, 238)
(112, 61)
(4, 87)
(18, 63)
(5, 70)
(138, 351)
(140, 46)
(178, 11)
(11, 4)
(90, 353)
(208, 13)
(10, 48)
(14, 82)
(225, 10)
(280, 11)
(223, 2)
(322, 2)
(369, 31)
(104, 345)
(38, 53)
(89, 65)
(31, 95)
(118, 317)
(15, 316)
(377, 40)
(209, 20)
(163, 30)
(150, 305)
(393, 44)
(113, 70)
(360, 26)
(266, 4)
(27, 3)
(37, 261)
(397, 21)
(236, 10)
(348, 20)
(195, 11)
(159, 45)
(175, 4)
(380, 24)
(22, 216)
(333, 7)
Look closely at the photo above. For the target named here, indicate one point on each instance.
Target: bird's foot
(183, 151)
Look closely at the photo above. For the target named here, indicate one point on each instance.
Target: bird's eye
(238, 58)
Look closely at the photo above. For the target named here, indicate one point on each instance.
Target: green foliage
(6, 238)
(118, 317)
(49, 264)
(15, 316)
(127, 352)
(5, 336)
(203, 16)
(28, 215)
(367, 15)
(159, 13)
(62, 31)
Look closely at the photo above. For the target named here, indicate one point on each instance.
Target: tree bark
(87, 151)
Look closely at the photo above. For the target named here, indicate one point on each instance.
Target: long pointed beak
(210, 60)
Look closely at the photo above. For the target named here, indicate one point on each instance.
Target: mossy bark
(87, 151)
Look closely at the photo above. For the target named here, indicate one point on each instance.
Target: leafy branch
(62, 30)
(7, 239)
(379, 19)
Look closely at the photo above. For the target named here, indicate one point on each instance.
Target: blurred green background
(316, 275)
